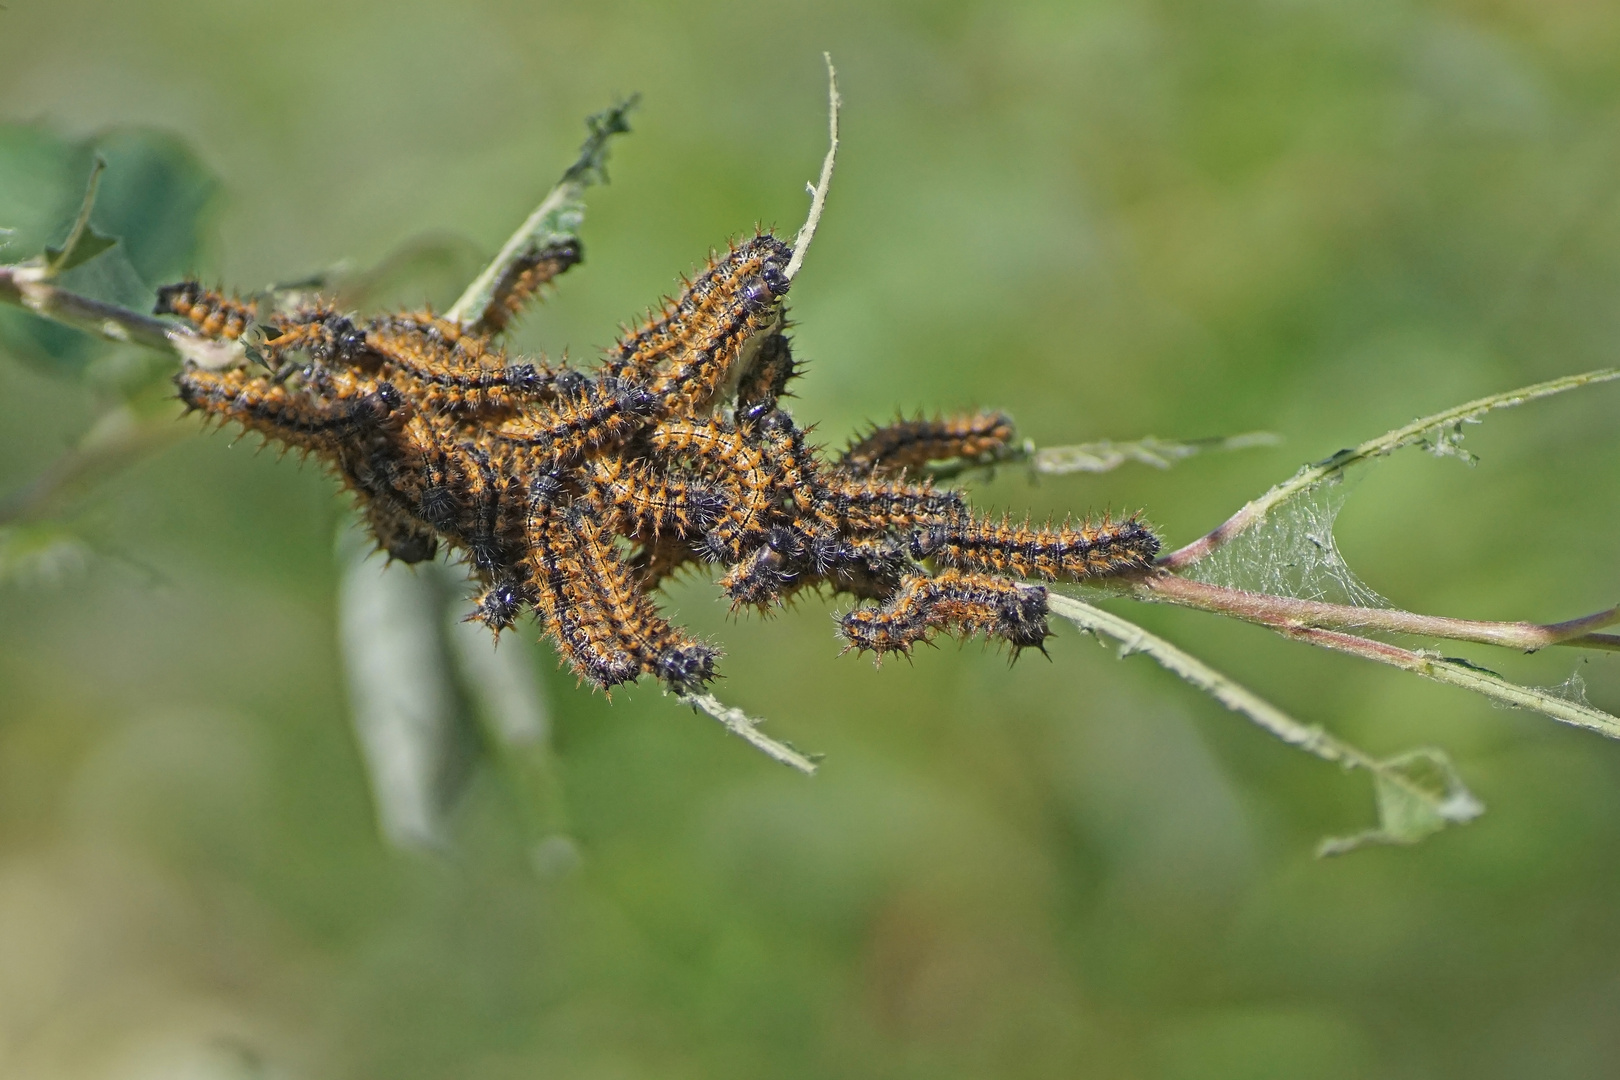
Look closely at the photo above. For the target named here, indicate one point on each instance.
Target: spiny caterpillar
(575, 494)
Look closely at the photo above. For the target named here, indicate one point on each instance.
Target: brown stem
(1289, 614)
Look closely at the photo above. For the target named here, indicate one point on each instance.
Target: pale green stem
(1456, 673)
(818, 192)
(1312, 475)
(746, 728)
(1238, 698)
(1104, 455)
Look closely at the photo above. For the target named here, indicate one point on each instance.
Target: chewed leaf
(1418, 793)
(554, 223)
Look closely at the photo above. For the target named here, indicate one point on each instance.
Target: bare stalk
(1284, 611)
(27, 286)
(746, 727)
(818, 192)
(1189, 668)
(1104, 455)
(1460, 673)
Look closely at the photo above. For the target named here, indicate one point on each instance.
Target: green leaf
(153, 196)
(83, 243)
(1418, 793)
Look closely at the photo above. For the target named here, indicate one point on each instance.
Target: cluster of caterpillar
(575, 494)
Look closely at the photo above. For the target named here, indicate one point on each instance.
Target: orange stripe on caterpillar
(583, 636)
(330, 422)
(868, 505)
(914, 443)
(741, 468)
(608, 587)
(211, 312)
(606, 410)
(712, 333)
(1072, 552)
(456, 371)
(647, 502)
(325, 335)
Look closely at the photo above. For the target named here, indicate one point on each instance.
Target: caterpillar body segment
(952, 602)
(214, 314)
(1071, 552)
(525, 278)
(911, 444)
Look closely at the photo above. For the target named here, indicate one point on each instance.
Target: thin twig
(1218, 686)
(1276, 611)
(26, 286)
(1312, 475)
(746, 727)
(1104, 455)
(1468, 676)
(1445, 807)
(818, 193)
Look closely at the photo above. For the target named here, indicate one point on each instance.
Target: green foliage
(141, 221)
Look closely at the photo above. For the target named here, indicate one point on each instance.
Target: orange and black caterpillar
(1071, 552)
(573, 494)
(210, 311)
(907, 444)
(951, 601)
(524, 279)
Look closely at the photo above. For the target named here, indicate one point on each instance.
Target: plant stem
(745, 727)
(24, 285)
(1311, 475)
(1469, 677)
(818, 192)
(1285, 611)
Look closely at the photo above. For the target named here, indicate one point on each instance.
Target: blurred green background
(1112, 218)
